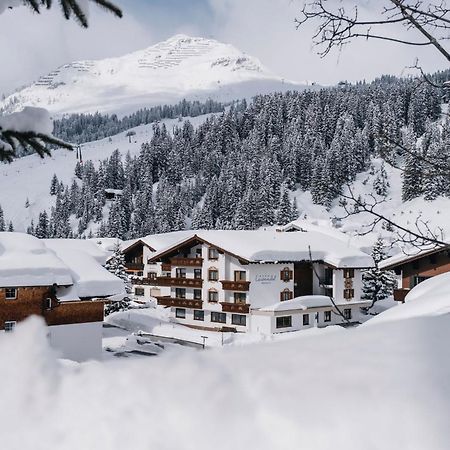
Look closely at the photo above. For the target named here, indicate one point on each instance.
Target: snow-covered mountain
(181, 67)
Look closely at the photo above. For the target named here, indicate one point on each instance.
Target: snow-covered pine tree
(2, 220)
(116, 265)
(381, 182)
(54, 185)
(378, 284)
(284, 213)
(10, 226)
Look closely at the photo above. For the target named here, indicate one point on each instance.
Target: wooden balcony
(242, 286)
(400, 294)
(178, 282)
(180, 302)
(141, 281)
(166, 267)
(134, 266)
(187, 262)
(242, 308)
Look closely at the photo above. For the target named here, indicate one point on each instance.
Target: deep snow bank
(381, 387)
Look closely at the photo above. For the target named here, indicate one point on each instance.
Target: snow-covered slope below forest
(165, 73)
(29, 177)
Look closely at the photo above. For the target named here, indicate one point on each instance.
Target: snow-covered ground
(180, 67)
(379, 387)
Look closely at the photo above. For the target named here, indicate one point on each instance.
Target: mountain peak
(195, 68)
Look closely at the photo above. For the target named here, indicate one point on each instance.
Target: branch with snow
(30, 128)
(77, 8)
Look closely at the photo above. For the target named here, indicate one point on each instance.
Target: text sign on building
(265, 278)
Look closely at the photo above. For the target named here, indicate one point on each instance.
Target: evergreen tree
(378, 284)
(2, 220)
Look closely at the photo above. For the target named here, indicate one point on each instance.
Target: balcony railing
(166, 267)
(179, 282)
(243, 308)
(242, 286)
(180, 302)
(187, 262)
(141, 281)
(400, 294)
(134, 266)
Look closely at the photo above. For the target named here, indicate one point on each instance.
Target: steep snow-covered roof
(26, 261)
(87, 246)
(90, 278)
(272, 246)
(159, 241)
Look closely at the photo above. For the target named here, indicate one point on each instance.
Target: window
(238, 319)
(240, 298)
(218, 317)
(180, 313)
(180, 293)
(213, 253)
(180, 272)
(152, 275)
(349, 293)
(327, 316)
(284, 322)
(140, 274)
(286, 295)
(197, 274)
(418, 279)
(347, 313)
(139, 292)
(10, 293)
(198, 252)
(349, 273)
(213, 275)
(199, 314)
(240, 275)
(286, 274)
(197, 294)
(213, 296)
(305, 319)
(10, 325)
(328, 279)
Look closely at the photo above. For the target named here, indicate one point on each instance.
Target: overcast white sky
(32, 45)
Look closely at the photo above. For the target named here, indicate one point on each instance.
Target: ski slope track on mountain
(181, 67)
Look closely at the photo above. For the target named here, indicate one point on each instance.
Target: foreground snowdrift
(383, 387)
(429, 298)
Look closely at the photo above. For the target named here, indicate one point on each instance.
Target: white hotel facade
(260, 281)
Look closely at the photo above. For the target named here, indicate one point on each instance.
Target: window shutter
(282, 275)
(291, 274)
(281, 297)
(291, 295)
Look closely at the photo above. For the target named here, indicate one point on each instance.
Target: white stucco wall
(78, 342)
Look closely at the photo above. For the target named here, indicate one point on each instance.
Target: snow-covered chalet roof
(403, 258)
(26, 261)
(269, 246)
(158, 242)
(88, 246)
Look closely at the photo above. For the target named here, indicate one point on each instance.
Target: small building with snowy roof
(60, 281)
(219, 279)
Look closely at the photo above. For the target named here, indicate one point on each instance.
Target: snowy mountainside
(30, 177)
(180, 67)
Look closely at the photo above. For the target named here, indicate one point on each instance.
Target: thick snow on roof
(26, 261)
(273, 246)
(90, 278)
(161, 241)
(87, 246)
(304, 302)
(429, 298)
(402, 257)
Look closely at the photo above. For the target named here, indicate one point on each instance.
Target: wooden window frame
(202, 315)
(242, 295)
(283, 322)
(138, 289)
(237, 319)
(181, 270)
(286, 274)
(305, 319)
(179, 290)
(10, 297)
(349, 273)
(327, 316)
(283, 293)
(197, 297)
(178, 312)
(349, 294)
(213, 291)
(209, 274)
(347, 313)
(238, 275)
(219, 315)
(216, 253)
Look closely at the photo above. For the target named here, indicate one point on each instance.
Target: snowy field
(378, 387)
